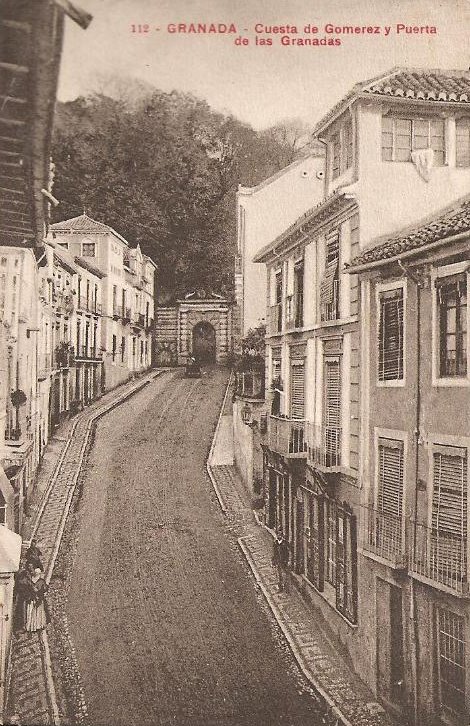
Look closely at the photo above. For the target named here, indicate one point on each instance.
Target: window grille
(401, 136)
(451, 660)
(462, 130)
(452, 301)
(391, 335)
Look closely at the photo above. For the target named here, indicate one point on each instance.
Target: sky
(260, 85)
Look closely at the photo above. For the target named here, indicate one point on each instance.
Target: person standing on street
(34, 555)
(281, 561)
(37, 613)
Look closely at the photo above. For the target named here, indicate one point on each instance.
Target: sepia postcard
(234, 363)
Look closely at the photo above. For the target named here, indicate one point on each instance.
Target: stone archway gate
(174, 327)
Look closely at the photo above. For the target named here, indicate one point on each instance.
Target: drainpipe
(417, 432)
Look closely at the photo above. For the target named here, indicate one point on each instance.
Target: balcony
(250, 384)
(126, 315)
(330, 310)
(384, 536)
(440, 558)
(286, 436)
(117, 312)
(87, 352)
(63, 356)
(149, 325)
(275, 318)
(324, 446)
(64, 302)
(294, 311)
(138, 321)
(12, 433)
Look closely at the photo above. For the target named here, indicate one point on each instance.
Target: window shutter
(462, 129)
(297, 391)
(332, 413)
(391, 336)
(449, 503)
(390, 479)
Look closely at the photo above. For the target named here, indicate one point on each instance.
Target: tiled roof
(419, 85)
(448, 223)
(83, 223)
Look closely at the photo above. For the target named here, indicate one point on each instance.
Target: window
(449, 500)
(329, 287)
(331, 551)
(123, 349)
(114, 348)
(330, 569)
(452, 302)
(391, 335)
(462, 131)
(299, 294)
(297, 390)
(342, 149)
(390, 478)
(331, 435)
(386, 524)
(451, 660)
(88, 249)
(401, 136)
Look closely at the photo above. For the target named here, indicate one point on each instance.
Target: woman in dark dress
(37, 614)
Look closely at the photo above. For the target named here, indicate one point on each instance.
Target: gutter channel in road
(91, 424)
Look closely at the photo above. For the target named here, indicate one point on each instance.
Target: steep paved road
(164, 615)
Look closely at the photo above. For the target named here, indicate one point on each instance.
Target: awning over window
(327, 283)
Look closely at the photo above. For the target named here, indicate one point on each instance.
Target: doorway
(204, 342)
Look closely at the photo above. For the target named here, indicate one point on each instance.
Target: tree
(163, 170)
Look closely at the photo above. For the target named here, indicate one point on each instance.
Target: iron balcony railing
(440, 557)
(384, 536)
(286, 436)
(275, 318)
(324, 445)
(87, 352)
(330, 310)
(249, 384)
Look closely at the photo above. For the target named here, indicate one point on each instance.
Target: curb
(334, 710)
(215, 486)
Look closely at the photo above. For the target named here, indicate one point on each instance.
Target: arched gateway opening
(204, 345)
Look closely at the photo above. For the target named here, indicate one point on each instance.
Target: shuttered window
(332, 414)
(449, 502)
(401, 136)
(462, 130)
(390, 361)
(297, 390)
(452, 300)
(390, 478)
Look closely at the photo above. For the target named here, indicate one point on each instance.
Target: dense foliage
(163, 171)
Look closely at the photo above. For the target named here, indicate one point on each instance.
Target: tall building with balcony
(397, 151)
(415, 445)
(127, 294)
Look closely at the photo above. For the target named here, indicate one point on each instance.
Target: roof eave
(374, 264)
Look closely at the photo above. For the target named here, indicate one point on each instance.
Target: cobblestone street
(167, 624)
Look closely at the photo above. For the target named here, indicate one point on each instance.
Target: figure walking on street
(23, 594)
(37, 613)
(34, 555)
(281, 561)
